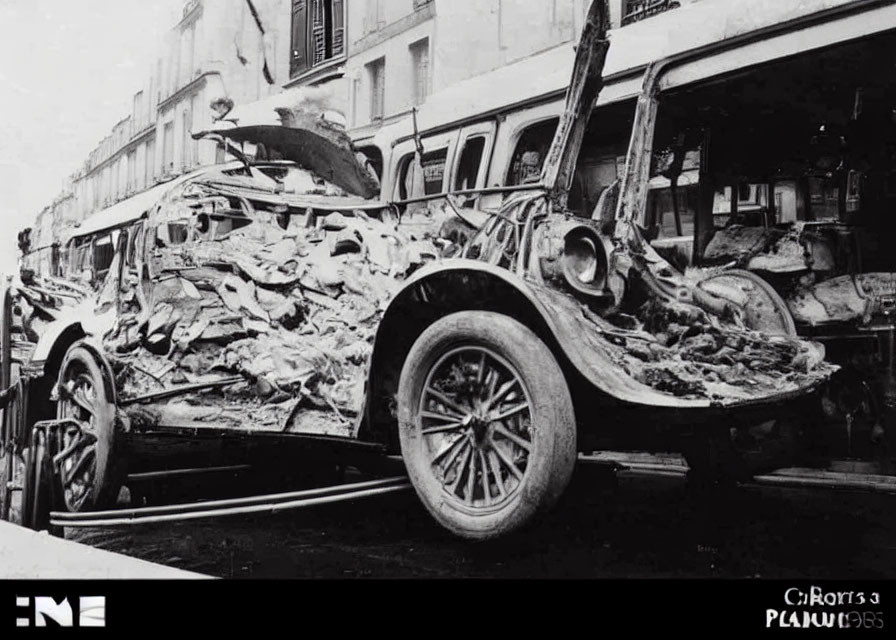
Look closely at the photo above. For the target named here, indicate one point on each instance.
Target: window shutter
(299, 61)
(338, 27)
(318, 32)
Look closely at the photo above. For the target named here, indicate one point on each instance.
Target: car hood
(311, 140)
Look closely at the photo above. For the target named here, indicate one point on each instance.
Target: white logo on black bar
(48, 612)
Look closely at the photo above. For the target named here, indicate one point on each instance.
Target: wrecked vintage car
(261, 298)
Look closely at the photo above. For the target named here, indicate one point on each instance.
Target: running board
(674, 466)
(255, 505)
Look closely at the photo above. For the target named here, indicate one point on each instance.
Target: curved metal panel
(582, 345)
(50, 337)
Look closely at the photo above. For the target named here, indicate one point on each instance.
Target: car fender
(564, 327)
(56, 336)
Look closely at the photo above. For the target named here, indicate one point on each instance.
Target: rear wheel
(87, 475)
(486, 424)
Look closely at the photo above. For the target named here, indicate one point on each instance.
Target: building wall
(382, 32)
(466, 37)
(213, 49)
(500, 33)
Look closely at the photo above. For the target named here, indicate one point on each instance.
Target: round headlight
(581, 259)
(585, 262)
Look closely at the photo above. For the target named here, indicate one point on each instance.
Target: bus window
(375, 159)
(103, 255)
(434, 171)
(407, 170)
(432, 177)
(470, 163)
(662, 212)
(135, 237)
(531, 150)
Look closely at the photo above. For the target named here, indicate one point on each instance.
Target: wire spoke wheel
(85, 473)
(476, 418)
(486, 424)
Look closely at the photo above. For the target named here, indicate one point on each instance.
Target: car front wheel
(89, 472)
(486, 424)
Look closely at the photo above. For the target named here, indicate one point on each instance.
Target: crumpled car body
(222, 309)
(268, 298)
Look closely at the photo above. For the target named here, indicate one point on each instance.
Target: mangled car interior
(786, 171)
(742, 249)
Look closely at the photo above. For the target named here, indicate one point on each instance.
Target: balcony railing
(637, 10)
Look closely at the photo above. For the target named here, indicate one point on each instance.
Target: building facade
(239, 49)
(378, 59)
(401, 51)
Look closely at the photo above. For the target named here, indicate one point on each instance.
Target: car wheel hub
(475, 419)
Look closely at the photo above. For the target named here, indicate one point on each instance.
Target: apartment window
(122, 177)
(376, 71)
(112, 192)
(374, 17)
(138, 112)
(187, 152)
(131, 185)
(318, 33)
(150, 162)
(148, 104)
(173, 67)
(421, 74)
(188, 40)
(159, 81)
(356, 99)
(168, 148)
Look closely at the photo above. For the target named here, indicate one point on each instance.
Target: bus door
(474, 153)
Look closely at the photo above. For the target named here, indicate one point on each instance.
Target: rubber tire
(107, 477)
(553, 457)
